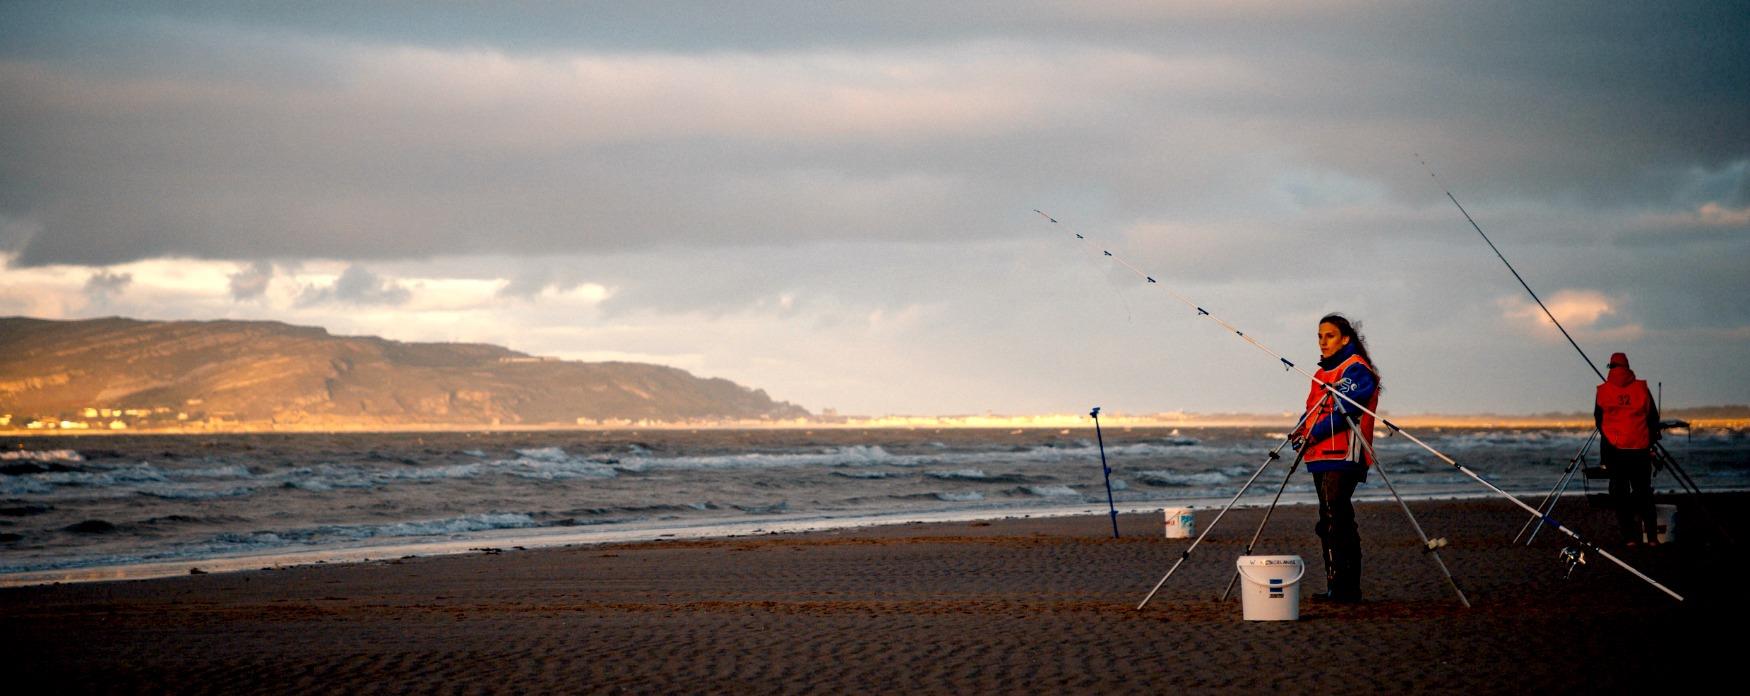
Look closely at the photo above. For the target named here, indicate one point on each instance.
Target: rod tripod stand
(1430, 546)
(1662, 461)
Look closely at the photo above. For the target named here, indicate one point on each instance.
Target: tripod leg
(1567, 478)
(1682, 476)
(1273, 456)
(1255, 535)
(1555, 493)
(1429, 546)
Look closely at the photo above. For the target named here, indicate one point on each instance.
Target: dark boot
(1330, 574)
(1337, 534)
(1348, 584)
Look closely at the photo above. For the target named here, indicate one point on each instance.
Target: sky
(834, 201)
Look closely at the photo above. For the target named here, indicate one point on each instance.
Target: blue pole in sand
(1106, 470)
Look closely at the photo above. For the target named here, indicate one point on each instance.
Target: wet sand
(1006, 606)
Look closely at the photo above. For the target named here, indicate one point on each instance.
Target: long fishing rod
(1515, 271)
(1332, 390)
(1661, 454)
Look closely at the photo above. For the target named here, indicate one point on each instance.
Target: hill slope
(297, 375)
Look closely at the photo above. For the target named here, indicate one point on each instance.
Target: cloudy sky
(833, 201)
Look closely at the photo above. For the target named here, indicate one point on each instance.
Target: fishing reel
(1574, 557)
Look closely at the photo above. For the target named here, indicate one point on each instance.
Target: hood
(1621, 376)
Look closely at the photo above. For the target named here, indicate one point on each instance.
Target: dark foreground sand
(1011, 606)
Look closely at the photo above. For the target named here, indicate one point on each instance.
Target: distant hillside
(153, 373)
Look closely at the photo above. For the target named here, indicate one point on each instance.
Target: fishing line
(1333, 391)
(1111, 285)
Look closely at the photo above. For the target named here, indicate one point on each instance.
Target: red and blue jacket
(1334, 425)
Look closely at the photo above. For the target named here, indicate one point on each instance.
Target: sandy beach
(1006, 606)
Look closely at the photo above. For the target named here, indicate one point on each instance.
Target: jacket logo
(1344, 385)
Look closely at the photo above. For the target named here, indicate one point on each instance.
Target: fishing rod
(1515, 271)
(1333, 391)
(1660, 454)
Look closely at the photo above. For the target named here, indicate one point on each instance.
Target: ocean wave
(959, 497)
(851, 456)
(115, 480)
(862, 474)
(1182, 478)
(342, 533)
(183, 493)
(641, 459)
(216, 472)
(552, 464)
(93, 527)
(457, 525)
(1059, 491)
(327, 477)
(544, 454)
(959, 475)
(60, 455)
(635, 509)
(168, 520)
(1497, 438)
(12, 486)
(773, 508)
(105, 482)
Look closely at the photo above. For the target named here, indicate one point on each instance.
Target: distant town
(97, 418)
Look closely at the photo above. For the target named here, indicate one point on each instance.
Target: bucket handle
(1242, 570)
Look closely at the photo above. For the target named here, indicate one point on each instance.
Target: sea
(124, 506)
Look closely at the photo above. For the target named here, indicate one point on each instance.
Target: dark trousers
(1631, 491)
(1337, 533)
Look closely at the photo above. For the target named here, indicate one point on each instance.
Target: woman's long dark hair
(1354, 333)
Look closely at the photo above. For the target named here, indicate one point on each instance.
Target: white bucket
(1181, 524)
(1665, 526)
(1272, 587)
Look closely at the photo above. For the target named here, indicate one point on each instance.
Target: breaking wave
(60, 455)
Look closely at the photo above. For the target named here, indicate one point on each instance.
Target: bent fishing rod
(1337, 393)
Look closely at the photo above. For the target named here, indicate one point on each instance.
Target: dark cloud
(747, 178)
(529, 282)
(103, 285)
(251, 281)
(708, 128)
(15, 234)
(357, 285)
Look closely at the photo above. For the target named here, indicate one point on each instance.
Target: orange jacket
(1624, 411)
(1330, 439)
